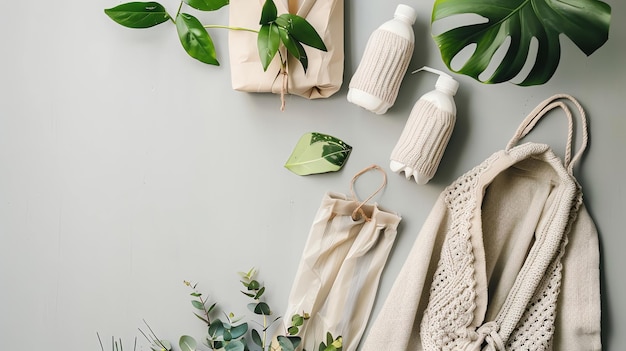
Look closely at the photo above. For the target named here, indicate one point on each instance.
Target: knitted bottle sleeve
(384, 63)
(424, 139)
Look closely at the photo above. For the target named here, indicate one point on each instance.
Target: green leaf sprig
(290, 30)
(229, 334)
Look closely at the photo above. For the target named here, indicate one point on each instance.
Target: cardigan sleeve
(578, 312)
(397, 325)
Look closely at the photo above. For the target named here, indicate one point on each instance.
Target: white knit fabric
(424, 139)
(507, 260)
(384, 63)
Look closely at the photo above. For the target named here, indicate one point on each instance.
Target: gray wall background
(127, 167)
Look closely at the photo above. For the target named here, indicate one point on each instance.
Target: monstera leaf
(585, 22)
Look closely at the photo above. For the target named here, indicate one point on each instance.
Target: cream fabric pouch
(341, 265)
(324, 75)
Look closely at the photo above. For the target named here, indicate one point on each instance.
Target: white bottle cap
(445, 82)
(406, 12)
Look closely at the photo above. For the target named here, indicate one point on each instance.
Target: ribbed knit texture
(507, 260)
(424, 138)
(384, 63)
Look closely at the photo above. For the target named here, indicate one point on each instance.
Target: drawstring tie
(486, 333)
(358, 212)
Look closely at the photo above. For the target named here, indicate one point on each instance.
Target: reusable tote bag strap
(540, 111)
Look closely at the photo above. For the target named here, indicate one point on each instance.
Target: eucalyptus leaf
(195, 39)
(259, 293)
(297, 320)
(237, 345)
(138, 14)
(256, 338)
(585, 22)
(254, 285)
(207, 5)
(187, 343)
(197, 304)
(268, 42)
(202, 318)
(301, 30)
(239, 330)
(285, 343)
(216, 328)
(263, 309)
(318, 153)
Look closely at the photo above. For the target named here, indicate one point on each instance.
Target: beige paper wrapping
(324, 75)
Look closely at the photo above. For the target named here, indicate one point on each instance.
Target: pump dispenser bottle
(377, 79)
(427, 131)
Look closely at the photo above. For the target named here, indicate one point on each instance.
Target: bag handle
(541, 110)
(358, 211)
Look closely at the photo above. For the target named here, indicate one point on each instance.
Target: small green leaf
(293, 47)
(263, 309)
(202, 318)
(318, 153)
(268, 13)
(187, 343)
(285, 343)
(248, 294)
(207, 5)
(256, 338)
(301, 30)
(293, 330)
(254, 285)
(216, 328)
(297, 320)
(259, 293)
(138, 14)
(195, 39)
(237, 345)
(195, 294)
(239, 330)
(197, 304)
(211, 308)
(268, 42)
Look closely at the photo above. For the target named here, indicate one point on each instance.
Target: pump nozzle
(445, 81)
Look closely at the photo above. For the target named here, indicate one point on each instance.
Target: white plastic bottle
(377, 79)
(427, 131)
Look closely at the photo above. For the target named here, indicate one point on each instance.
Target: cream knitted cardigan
(508, 259)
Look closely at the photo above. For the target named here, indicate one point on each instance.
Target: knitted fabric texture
(508, 259)
(383, 65)
(450, 283)
(424, 139)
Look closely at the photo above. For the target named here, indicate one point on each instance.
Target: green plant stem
(264, 331)
(206, 312)
(231, 28)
